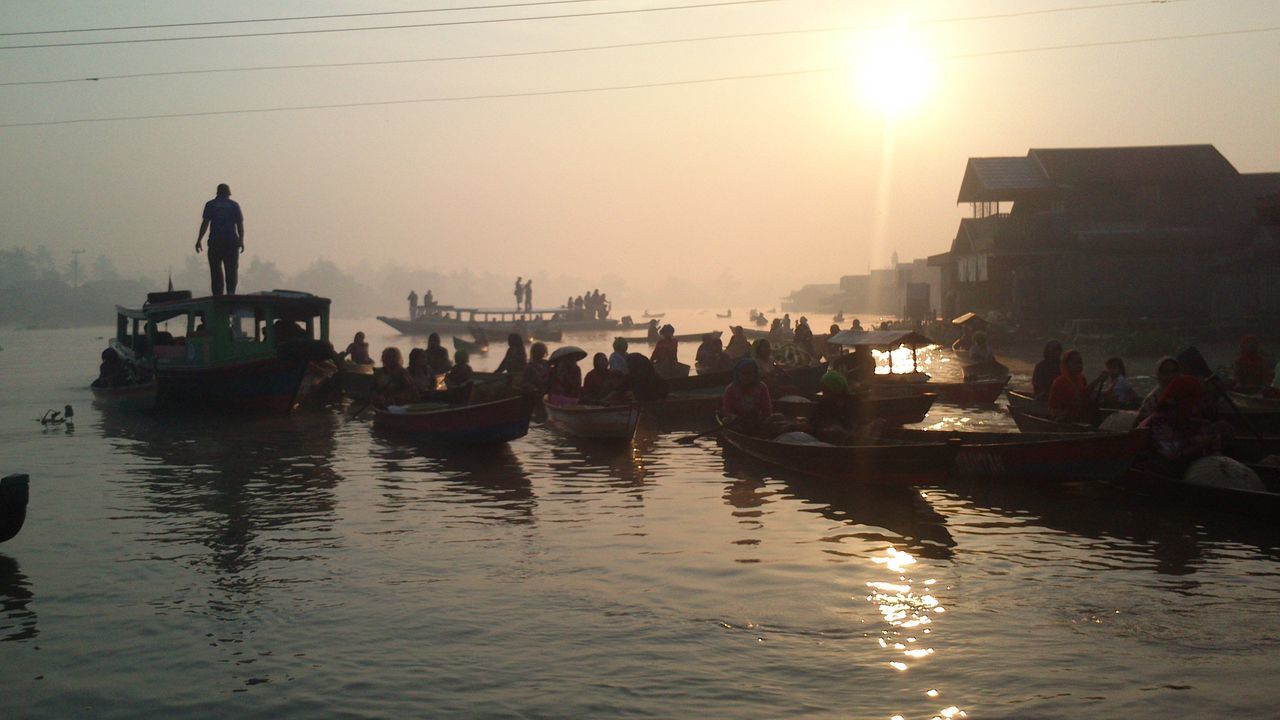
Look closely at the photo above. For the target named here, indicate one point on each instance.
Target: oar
(688, 439)
(364, 405)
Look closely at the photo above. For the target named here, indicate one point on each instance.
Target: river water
(304, 567)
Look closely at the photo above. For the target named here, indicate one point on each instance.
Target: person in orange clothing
(1070, 397)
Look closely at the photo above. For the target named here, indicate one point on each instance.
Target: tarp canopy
(879, 339)
(970, 317)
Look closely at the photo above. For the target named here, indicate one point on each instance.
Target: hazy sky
(779, 180)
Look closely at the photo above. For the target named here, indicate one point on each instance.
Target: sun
(895, 71)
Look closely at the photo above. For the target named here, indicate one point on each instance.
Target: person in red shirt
(665, 351)
(746, 401)
(1070, 396)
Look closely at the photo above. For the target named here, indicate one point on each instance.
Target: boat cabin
(888, 345)
(174, 329)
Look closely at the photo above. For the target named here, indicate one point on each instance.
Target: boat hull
(1258, 504)
(13, 505)
(484, 423)
(267, 386)
(908, 464)
(592, 422)
(141, 396)
(1048, 457)
(446, 326)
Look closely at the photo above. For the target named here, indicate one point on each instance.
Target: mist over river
(305, 567)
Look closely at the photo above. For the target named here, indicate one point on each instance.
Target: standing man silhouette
(519, 292)
(413, 305)
(528, 295)
(225, 223)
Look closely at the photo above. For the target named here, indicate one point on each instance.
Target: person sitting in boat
(437, 355)
(358, 351)
(964, 343)
(775, 331)
(786, 322)
(618, 359)
(537, 373)
(762, 354)
(393, 386)
(460, 373)
(286, 330)
(835, 416)
(1179, 432)
(1047, 370)
(1070, 397)
(1166, 370)
(514, 362)
(601, 382)
(651, 331)
(642, 379)
(831, 350)
(112, 372)
(566, 376)
(711, 356)
(857, 326)
(739, 345)
(747, 404)
(665, 351)
(424, 378)
(982, 361)
(1116, 390)
(1250, 371)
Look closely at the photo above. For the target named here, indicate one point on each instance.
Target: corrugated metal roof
(879, 338)
(993, 179)
(1147, 165)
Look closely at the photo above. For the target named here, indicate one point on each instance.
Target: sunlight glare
(896, 71)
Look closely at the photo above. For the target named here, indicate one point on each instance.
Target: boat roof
(294, 298)
(879, 338)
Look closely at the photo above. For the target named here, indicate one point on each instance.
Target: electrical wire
(637, 86)
(587, 48)
(451, 23)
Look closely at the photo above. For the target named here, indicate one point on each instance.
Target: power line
(587, 48)
(158, 26)
(638, 86)
(451, 23)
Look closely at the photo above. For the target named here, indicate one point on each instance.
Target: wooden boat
(225, 353)
(673, 371)
(1024, 402)
(595, 422)
(905, 410)
(470, 346)
(1260, 504)
(14, 491)
(492, 422)
(978, 392)
(546, 334)
(886, 464)
(686, 337)
(1048, 457)
(647, 314)
(1246, 402)
(1032, 423)
(140, 395)
(697, 408)
(497, 322)
(724, 316)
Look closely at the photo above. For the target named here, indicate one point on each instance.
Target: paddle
(688, 439)
(361, 407)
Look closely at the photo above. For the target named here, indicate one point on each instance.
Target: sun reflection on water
(909, 616)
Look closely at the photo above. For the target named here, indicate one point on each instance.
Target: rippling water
(305, 567)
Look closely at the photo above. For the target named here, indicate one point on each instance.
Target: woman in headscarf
(644, 382)
(393, 386)
(1179, 433)
(1116, 391)
(746, 401)
(537, 374)
(739, 345)
(566, 377)
(424, 378)
(599, 383)
(1047, 370)
(460, 373)
(514, 362)
(710, 356)
(618, 359)
(1070, 396)
(1166, 370)
(358, 351)
(437, 356)
(1251, 370)
(835, 416)
(665, 351)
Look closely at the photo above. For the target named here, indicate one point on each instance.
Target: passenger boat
(472, 347)
(14, 491)
(233, 353)
(882, 464)
(594, 422)
(970, 392)
(497, 322)
(647, 314)
(483, 423)
(1044, 457)
(687, 337)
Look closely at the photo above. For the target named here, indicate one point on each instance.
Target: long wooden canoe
(483, 423)
(1259, 504)
(1045, 457)
(686, 337)
(885, 464)
(595, 422)
(904, 410)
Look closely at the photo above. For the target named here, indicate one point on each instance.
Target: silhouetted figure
(225, 223)
(413, 305)
(528, 295)
(519, 291)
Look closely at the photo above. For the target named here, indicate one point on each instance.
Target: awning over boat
(880, 339)
(969, 317)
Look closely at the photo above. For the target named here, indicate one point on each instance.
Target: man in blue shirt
(225, 223)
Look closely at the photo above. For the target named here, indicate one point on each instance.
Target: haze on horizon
(762, 183)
